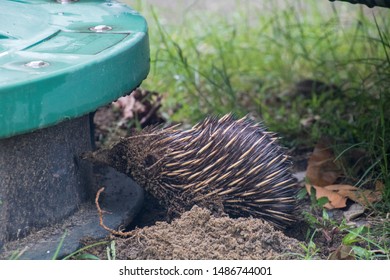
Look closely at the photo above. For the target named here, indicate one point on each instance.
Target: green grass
(211, 64)
(365, 243)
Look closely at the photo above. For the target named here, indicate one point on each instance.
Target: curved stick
(100, 213)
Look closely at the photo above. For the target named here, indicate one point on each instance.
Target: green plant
(366, 244)
(111, 251)
(17, 254)
(80, 253)
(58, 249)
(310, 248)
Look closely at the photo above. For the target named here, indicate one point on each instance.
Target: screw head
(66, 1)
(37, 64)
(100, 28)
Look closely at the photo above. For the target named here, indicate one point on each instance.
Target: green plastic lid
(63, 59)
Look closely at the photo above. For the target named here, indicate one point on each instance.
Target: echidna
(228, 165)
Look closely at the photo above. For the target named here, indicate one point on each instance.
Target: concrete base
(42, 179)
(44, 185)
(122, 199)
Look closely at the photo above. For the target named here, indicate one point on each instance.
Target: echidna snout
(228, 163)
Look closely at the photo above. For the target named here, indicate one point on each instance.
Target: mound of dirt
(197, 234)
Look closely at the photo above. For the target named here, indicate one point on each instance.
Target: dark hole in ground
(151, 212)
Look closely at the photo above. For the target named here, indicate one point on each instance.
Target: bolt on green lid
(63, 59)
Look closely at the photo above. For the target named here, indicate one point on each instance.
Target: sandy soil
(199, 235)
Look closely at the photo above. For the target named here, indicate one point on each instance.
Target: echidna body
(228, 165)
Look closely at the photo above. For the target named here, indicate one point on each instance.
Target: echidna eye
(150, 160)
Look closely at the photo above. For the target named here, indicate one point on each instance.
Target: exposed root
(101, 223)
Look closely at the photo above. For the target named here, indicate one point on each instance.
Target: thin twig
(100, 212)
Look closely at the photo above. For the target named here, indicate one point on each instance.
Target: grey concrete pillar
(42, 179)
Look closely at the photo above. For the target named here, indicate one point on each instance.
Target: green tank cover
(63, 59)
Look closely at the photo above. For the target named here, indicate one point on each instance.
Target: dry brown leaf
(335, 199)
(341, 189)
(338, 194)
(142, 105)
(321, 169)
(129, 106)
(365, 197)
(343, 252)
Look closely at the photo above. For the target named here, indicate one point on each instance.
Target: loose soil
(197, 234)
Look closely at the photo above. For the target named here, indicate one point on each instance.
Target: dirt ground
(198, 235)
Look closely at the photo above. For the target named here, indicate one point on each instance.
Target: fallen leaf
(365, 197)
(338, 194)
(321, 169)
(129, 106)
(322, 172)
(141, 105)
(335, 199)
(343, 252)
(340, 188)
